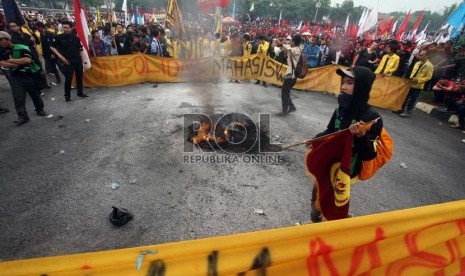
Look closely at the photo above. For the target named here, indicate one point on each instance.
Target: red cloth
(206, 5)
(325, 155)
(403, 27)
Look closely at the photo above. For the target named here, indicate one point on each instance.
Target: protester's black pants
(286, 94)
(51, 67)
(73, 67)
(461, 114)
(411, 99)
(7, 74)
(20, 85)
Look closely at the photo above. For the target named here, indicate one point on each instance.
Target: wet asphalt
(56, 174)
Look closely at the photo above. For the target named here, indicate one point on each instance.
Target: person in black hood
(352, 113)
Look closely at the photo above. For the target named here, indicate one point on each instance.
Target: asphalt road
(56, 174)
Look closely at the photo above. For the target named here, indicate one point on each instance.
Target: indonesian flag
(82, 30)
(329, 161)
(206, 5)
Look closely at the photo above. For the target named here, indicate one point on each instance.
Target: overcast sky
(403, 5)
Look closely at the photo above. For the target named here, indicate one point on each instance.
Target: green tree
(92, 3)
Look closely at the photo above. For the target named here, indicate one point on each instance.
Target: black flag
(12, 12)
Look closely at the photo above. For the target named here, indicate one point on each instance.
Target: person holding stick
(353, 113)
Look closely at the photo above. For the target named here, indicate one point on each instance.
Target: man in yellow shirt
(421, 73)
(262, 50)
(246, 46)
(389, 63)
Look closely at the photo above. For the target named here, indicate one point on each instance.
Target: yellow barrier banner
(387, 92)
(426, 240)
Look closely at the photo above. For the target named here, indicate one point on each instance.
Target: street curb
(436, 112)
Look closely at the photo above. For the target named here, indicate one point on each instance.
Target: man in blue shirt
(156, 47)
(312, 50)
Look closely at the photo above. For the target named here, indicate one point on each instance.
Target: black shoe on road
(292, 109)
(41, 113)
(82, 95)
(21, 121)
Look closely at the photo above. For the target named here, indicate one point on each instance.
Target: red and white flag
(417, 24)
(82, 30)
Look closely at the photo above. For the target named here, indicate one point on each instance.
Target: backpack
(383, 147)
(301, 70)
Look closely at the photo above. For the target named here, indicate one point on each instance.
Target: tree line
(290, 9)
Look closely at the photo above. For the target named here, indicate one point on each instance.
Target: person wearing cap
(23, 72)
(352, 113)
(389, 63)
(293, 51)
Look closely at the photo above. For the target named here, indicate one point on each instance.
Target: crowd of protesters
(323, 45)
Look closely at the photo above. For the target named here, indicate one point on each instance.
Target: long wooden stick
(322, 137)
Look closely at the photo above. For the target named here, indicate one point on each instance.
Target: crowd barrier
(427, 240)
(387, 92)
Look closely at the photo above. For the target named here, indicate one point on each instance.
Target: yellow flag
(99, 19)
(173, 16)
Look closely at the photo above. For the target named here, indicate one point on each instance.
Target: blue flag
(457, 20)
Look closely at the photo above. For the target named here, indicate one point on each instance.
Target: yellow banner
(427, 240)
(387, 92)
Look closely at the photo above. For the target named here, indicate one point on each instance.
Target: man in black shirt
(68, 48)
(19, 37)
(122, 41)
(49, 57)
(367, 57)
(18, 58)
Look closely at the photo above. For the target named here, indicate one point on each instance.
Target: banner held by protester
(388, 92)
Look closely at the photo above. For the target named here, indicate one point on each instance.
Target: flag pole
(323, 137)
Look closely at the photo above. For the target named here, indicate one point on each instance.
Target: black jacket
(332, 57)
(46, 41)
(360, 110)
